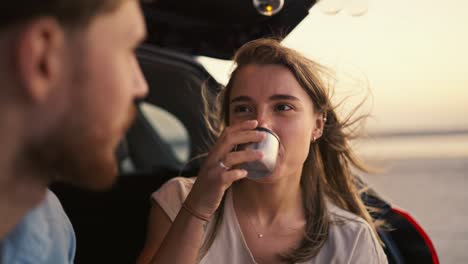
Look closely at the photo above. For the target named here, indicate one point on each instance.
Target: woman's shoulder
(178, 183)
(344, 217)
(352, 234)
(345, 222)
(172, 194)
(179, 186)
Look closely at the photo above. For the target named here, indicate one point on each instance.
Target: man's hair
(70, 13)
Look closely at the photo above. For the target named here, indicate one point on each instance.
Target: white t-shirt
(350, 241)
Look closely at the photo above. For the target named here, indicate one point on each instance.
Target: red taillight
(427, 240)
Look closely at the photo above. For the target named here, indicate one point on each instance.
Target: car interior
(110, 226)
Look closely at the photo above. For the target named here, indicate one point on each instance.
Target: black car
(169, 130)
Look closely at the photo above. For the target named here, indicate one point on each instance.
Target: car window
(170, 129)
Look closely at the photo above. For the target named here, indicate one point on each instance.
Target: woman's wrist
(186, 206)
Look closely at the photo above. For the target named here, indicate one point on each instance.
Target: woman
(306, 211)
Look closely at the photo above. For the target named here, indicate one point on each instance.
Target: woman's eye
(282, 107)
(242, 109)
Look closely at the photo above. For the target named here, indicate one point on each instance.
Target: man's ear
(38, 50)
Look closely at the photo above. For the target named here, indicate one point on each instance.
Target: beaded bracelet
(195, 213)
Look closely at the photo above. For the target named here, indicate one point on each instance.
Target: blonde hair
(327, 169)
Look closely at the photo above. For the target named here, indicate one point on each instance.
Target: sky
(410, 56)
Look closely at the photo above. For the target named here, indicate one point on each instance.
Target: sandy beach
(435, 192)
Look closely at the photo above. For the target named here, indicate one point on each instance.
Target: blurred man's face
(103, 79)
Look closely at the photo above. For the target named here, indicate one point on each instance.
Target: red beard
(79, 156)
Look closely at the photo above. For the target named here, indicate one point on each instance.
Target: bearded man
(68, 77)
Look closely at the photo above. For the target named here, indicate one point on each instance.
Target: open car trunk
(217, 28)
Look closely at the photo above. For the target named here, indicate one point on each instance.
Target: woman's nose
(264, 119)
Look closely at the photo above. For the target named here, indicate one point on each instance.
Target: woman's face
(272, 95)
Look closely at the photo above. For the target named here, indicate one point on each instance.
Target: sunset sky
(413, 55)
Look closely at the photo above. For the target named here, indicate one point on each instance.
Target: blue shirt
(44, 235)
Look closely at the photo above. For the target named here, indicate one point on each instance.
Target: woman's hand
(213, 178)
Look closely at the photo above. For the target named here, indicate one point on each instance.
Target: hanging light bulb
(268, 7)
(331, 7)
(357, 7)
